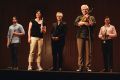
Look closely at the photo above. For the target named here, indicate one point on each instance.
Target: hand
(80, 23)
(44, 29)
(86, 16)
(29, 40)
(15, 33)
(91, 22)
(86, 23)
(8, 45)
(103, 34)
(107, 35)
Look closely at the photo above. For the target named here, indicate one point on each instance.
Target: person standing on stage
(13, 40)
(58, 34)
(106, 34)
(35, 37)
(85, 25)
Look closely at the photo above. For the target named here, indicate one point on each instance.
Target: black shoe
(53, 69)
(60, 69)
(111, 70)
(102, 70)
(15, 68)
(105, 70)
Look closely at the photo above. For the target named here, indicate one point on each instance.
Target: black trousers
(107, 49)
(57, 53)
(14, 54)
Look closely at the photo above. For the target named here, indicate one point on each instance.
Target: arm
(78, 21)
(81, 23)
(83, 20)
(100, 34)
(18, 34)
(63, 31)
(8, 38)
(52, 31)
(29, 32)
(43, 26)
(21, 33)
(87, 20)
(92, 21)
(44, 29)
(113, 34)
(8, 42)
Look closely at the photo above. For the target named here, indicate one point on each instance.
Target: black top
(36, 29)
(59, 31)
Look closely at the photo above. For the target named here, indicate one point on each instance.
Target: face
(14, 20)
(107, 20)
(38, 14)
(59, 17)
(84, 10)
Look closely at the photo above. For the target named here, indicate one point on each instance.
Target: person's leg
(54, 54)
(14, 55)
(40, 46)
(105, 56)
(60, 56)
(87, 56)
(110, 51)
(80, 53)
(33, 45)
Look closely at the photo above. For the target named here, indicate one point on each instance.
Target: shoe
(88, 69)
(111, 70)
(60, 69)
(40, 69)
(53, 69)
(15, 68)
(29, 68)
(10, 68)
(79, 69)
(103, 70)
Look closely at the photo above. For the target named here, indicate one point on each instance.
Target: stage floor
(57, 75)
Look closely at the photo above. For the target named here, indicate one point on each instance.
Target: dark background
(25, 9)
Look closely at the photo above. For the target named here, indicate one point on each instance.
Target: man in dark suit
(58, 41)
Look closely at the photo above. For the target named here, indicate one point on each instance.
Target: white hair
(84, 6)
(59, 14)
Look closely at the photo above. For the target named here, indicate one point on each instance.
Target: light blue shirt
(15, 28)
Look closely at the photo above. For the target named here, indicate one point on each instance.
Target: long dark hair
(40, 12)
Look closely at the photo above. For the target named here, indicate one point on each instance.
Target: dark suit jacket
(59, 31)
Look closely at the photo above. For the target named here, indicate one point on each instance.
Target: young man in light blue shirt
(13, 39)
